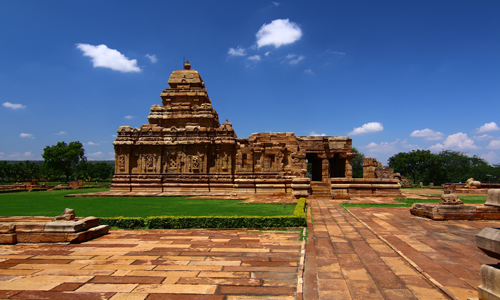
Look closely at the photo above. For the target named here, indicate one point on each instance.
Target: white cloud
(367, 128)
(383, 147)
(428, 134)
(275, 3)
(488, 127)
(2, 154)
(338, 53)
(60, 133)
(277, 33)
(95, 155)
(104, 57)
(490, 157)
(152, 58)
(13, 106)
(405, 144)
(17, 155)
(316, 134)
(267, 53)
(236, 52)
(293, 59)
(494, 144)
(92, 144)
(27, 135)
(129, 117)
(457, 141)
(254, 58)
(309, 71)
(482, 137)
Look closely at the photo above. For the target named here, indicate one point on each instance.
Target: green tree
(413, 164)
(357, 164)
(63, 159)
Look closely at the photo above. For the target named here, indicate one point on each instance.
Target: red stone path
(389, 255)
(156, 264)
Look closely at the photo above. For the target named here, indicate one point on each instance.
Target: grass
(52, 203)
(408, 202)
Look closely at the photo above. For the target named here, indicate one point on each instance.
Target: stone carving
(67, 215)
(450, 199)
(472, 184)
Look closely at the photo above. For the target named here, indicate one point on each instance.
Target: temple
(185, 150)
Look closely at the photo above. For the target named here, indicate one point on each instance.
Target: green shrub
(38, 189)
(178, 222)
(60, 188)
(13, 190)
(123, 222)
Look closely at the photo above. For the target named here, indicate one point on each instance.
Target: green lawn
(52, 203)
(408, 202)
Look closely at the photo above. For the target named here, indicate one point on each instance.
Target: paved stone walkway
(444, 250)
(370, 253)
(391, 256)
(156, 264)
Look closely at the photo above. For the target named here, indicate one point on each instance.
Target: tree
(357, 164)
(414, 164)
(63, 159)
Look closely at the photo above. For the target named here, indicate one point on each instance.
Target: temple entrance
(337, 166)
(314, 166)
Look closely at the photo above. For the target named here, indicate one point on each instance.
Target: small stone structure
(488, 240)
(15, 230)
(185, 150)
(452, 208)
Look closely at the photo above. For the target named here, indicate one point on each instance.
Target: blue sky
(392, 75)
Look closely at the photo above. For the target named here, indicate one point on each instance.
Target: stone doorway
(337, 166)
(312, 158)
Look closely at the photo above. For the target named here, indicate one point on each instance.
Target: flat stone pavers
(156, 264)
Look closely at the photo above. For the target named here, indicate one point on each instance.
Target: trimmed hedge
(172, 222)
(38, 189)
(14, 191)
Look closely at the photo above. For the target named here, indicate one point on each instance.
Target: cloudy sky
(392, 75)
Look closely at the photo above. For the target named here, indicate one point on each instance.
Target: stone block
(89, 222)
(7, 228)
(493, 197)
(64, 226)
(8, 238)
(488, 240)
(489, 288)
(30, 227)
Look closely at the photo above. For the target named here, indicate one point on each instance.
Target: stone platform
(44, 230)
(438, 212)
(471, 191)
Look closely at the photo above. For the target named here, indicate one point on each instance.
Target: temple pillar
(325, 170)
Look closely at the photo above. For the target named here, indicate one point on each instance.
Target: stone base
(471, 191)
(439, 212)
(489, 288)
(43, 230)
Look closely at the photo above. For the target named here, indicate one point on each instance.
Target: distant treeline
(446, 167)
(18, 171)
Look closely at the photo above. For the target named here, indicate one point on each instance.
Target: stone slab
(64, 226)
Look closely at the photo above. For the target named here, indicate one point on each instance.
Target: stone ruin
(488, 240)
(65, 228)
(452, 208)
(185, 150)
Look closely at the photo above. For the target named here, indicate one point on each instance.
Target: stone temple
(185, 150)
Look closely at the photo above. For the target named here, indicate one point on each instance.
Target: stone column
(348, 168)
(325, 170)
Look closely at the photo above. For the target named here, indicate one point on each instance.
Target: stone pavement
(368, 253)
(385, 253)
(156, 264)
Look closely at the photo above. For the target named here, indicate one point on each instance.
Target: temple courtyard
(367, 253)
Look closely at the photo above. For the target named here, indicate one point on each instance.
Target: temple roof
(186, 79)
